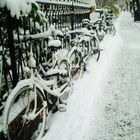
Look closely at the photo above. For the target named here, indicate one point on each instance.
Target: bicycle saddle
(54, 45)
(75, 32)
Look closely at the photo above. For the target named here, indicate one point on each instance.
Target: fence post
(10, 25)
(72, 15)
(138, 4)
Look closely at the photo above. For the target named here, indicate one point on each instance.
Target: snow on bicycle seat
(75, 32)
(56, 71)
(59, 33)
(55, 32)
(86, 32)
(54, 44)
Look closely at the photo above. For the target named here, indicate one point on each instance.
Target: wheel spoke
(20, 127)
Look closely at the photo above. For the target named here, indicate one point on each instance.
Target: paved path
(121, 117)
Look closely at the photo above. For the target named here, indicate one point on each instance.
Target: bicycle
(30, 103)
(109, 24)
(84, 46)
(54, 55)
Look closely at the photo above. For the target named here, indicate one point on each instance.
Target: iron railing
(62, 14)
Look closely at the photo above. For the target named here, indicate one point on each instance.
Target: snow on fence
(14, 46)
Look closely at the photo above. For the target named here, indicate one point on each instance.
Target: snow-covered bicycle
(110, 28)
(28, 106)
(53, 56)
(84, 46)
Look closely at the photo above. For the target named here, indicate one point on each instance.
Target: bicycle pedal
(46, 128)
(101, 49)
(62, 108)
(54, 109)
(64, 97)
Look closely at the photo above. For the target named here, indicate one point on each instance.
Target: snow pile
(17, 7)
(54, 43)
(48, 34)
(61, 54)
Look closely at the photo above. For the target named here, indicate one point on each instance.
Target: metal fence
(62, 14)
(65, 13)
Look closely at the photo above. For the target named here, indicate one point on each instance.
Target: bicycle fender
(25, 83)
(72, 50)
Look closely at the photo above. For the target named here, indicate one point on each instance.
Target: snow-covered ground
(105, 103)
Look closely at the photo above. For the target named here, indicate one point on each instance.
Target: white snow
(55, 71)
(31, 61)
(92, 3)
(54, 43)
(17, 6)
(61, 54)
(46, 34)
(84, 38)
(39, 35)
(105, 101)
(20, 8)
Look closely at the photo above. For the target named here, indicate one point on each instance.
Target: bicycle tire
(17, 127)
(68, 77)
(95, 48)
(113, 30)
(64, 65)
(75, 62)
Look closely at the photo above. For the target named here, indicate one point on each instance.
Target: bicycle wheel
(75, 62)
(64, 66)
(113, 30)
(18, 122)
(95, 48)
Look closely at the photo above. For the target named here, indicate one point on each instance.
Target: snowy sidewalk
(105, 104)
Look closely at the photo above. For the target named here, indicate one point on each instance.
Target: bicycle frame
(37, 81)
